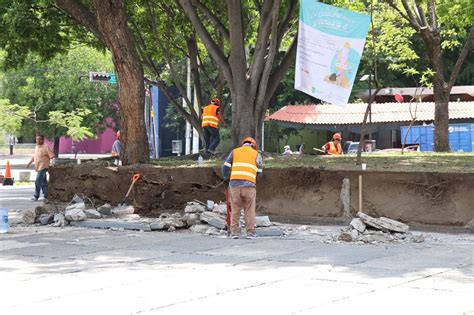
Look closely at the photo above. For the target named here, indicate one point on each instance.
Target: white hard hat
(286, 147)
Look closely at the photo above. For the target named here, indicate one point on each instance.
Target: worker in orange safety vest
(334, 147)
(210, 125)
(240, 171)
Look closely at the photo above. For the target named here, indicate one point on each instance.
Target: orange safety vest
(244, 164)
(210, 116)
(333, 150)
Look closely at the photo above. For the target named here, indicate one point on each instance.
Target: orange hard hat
(216, 101)
(337, 136)
(251, 141)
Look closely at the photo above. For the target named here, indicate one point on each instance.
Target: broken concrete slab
(384, 224)
(79, 206)
(92, 214)
(191, 219)
(75, 215)
(45, 218)
(29, 216)
(269, 231)
(358, 225)
(165, 222)
(77, 199)
(213, 219)
(105, 209)
(354, 235)
(194, 207)
(199, 228)
(220, 208)
(122, 210)
(59, 220)
(263, 221)
(109, 224)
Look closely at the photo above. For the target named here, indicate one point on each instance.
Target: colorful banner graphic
(330, 45)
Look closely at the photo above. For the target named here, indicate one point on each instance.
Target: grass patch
(393, 162)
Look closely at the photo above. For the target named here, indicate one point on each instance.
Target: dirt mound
(299, 193)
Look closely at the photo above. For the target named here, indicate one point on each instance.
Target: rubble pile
(366, 229)
(198, 217)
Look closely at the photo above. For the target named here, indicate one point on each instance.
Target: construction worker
(41, 158)
(210, 125)
(287, 151)
(240, 171)
(333, 147)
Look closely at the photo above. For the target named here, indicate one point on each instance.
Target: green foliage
(61, 84)
(72, 121)
(39, 27)
(12, 116)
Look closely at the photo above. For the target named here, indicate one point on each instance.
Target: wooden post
(360, 193)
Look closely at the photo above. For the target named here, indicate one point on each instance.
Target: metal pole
(187, 135)
(360, 193)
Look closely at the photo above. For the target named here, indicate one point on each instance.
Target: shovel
(135, 179)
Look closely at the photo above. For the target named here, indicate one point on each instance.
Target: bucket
(25, 176)
(4, 220)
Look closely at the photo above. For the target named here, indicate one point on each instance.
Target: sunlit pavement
(47, 270)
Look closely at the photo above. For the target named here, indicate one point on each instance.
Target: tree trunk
(441, 94)
(56, 146)
(109, 24)
(243, 118)
(441, 122)
(112, 22)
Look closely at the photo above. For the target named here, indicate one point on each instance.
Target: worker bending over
(240, 170)
(333, 147)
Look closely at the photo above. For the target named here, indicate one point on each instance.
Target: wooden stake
(360, 193)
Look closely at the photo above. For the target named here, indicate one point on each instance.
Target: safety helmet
(286, 147)
(216, 101)
(251, 141)
(337, 136)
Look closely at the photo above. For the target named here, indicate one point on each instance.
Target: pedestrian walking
(240, 171)
(41, 158)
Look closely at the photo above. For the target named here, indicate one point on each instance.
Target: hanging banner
(330, 45)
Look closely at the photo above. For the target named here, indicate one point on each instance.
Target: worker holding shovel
(240, 170)
(334, 147)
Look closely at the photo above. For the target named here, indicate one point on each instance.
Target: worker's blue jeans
(211, 137)
(41, 183)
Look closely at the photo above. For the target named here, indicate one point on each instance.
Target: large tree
(440, 24)
(253, 33)
(38, 26)
(108, 21)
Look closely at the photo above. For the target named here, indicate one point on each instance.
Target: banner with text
(330, 45)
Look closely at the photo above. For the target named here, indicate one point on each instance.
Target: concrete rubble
(366, 229)
(196, 216)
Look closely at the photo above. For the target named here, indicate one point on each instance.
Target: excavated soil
(298, 194)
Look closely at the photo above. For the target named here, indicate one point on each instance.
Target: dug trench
(295, 195)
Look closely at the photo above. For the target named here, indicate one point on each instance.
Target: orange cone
(8, 180)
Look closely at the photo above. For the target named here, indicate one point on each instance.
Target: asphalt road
(47, 270)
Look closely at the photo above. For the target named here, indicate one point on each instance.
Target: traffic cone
(8, 180)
